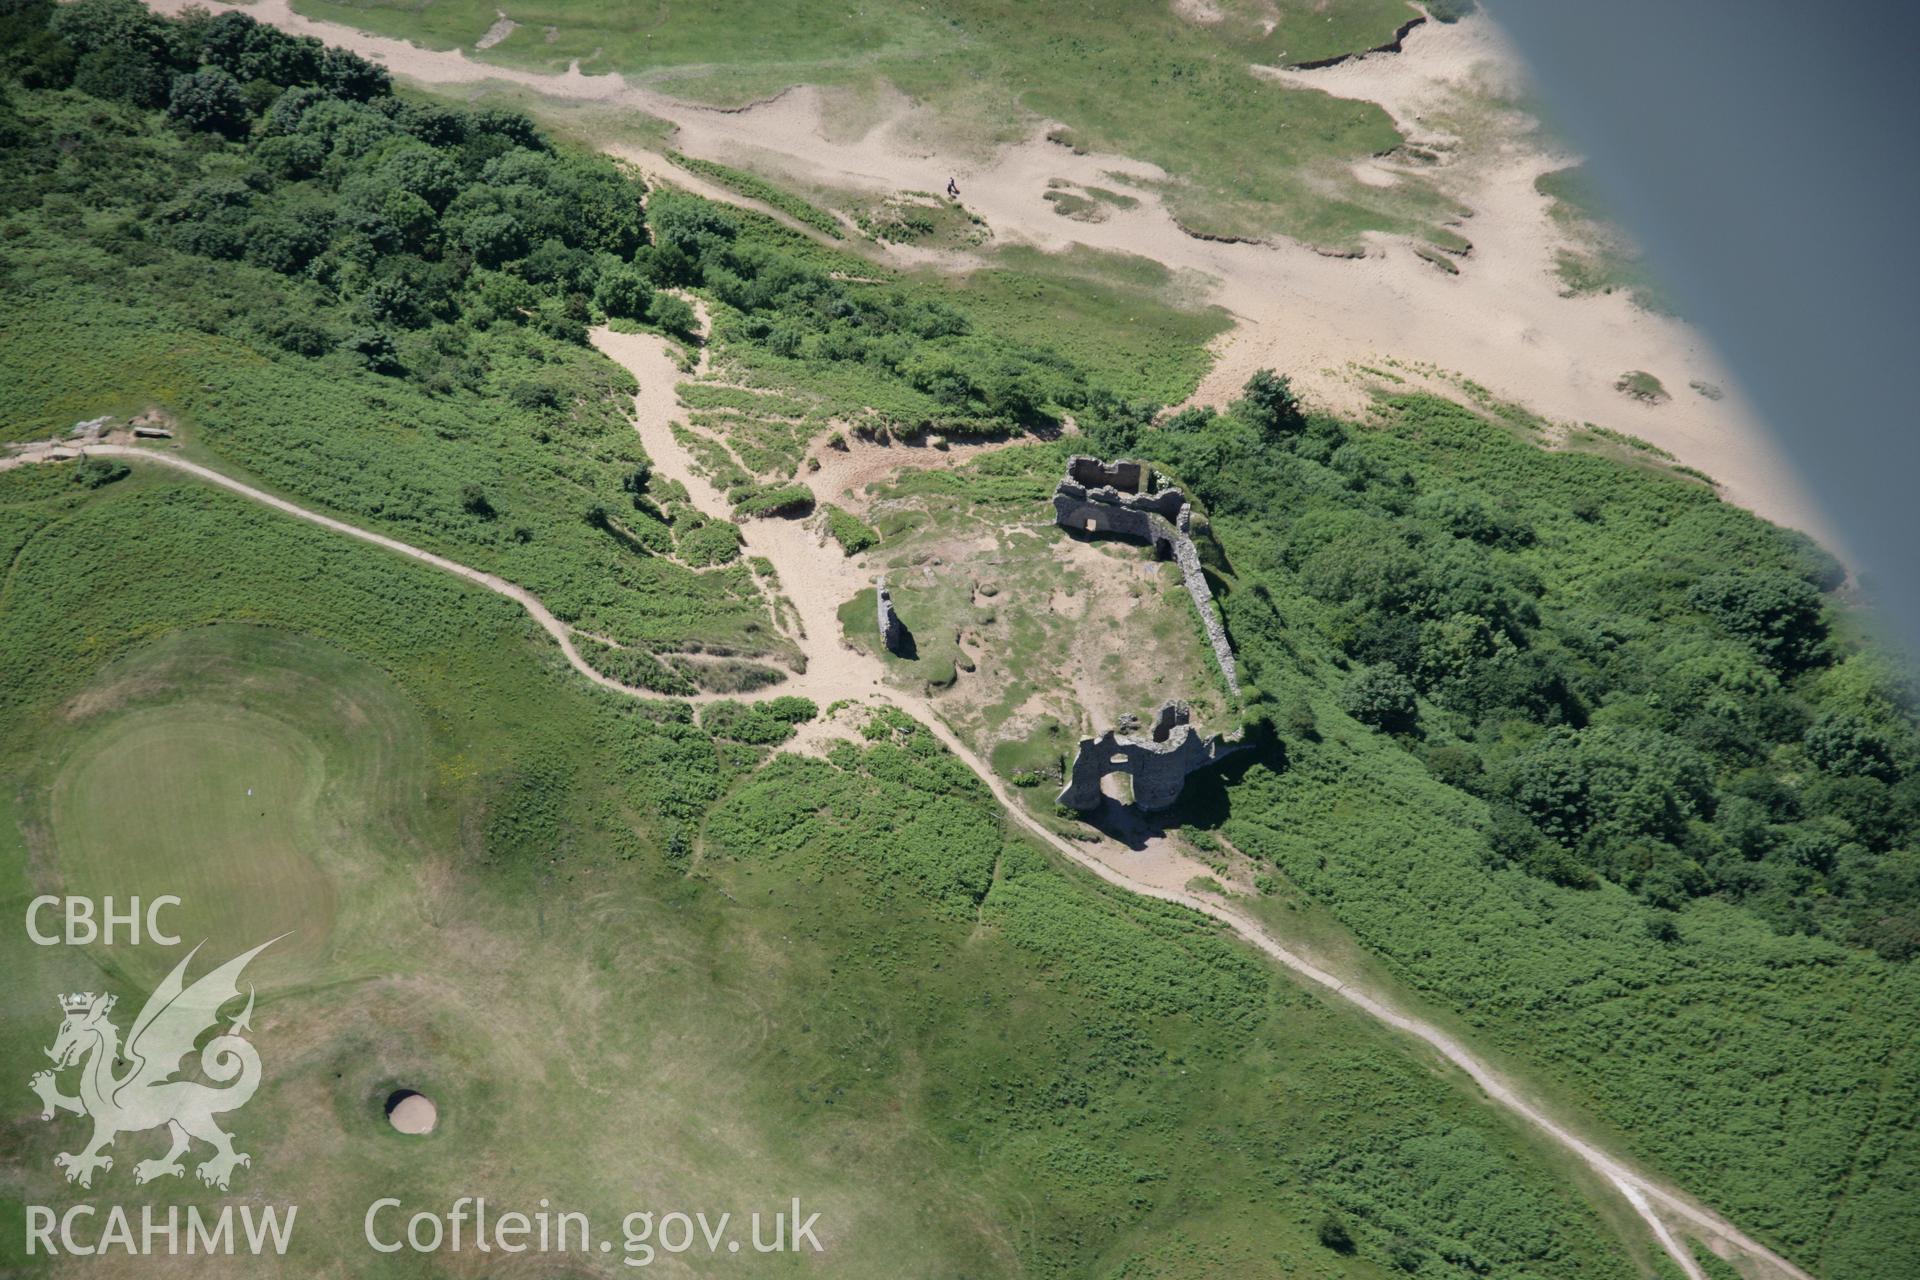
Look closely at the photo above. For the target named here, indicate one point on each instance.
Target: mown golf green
(212, 804)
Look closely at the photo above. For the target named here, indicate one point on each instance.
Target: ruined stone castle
(1121, 499)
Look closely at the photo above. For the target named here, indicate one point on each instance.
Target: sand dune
(1501, 322)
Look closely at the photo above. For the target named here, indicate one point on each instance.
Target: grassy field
(1245, 156)
(1129, 321)
(969, 1059)
(393, 458)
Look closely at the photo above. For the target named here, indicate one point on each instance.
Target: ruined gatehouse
(1158, 764)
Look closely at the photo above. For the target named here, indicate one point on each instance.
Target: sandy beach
(1502, 322)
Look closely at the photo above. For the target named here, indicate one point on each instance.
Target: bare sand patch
(817, 736)
(1202, 12)
(1373, 173)
(500, 30)
(1501, 321)
(847, 473)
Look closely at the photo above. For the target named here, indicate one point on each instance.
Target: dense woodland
(1560, 736)
(1644, 685)
(403, 229)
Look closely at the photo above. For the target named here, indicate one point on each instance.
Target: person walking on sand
(953, 189)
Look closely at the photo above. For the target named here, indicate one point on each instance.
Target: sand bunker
(411, 1112)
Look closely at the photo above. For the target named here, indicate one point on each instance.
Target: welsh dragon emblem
(147, 1095)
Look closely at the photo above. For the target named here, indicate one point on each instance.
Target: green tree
(92, 473)
(674, 315)
(1775, 612)
(39, 58)
(376, 350)
(90, 25)
(1848, 745)
(209, 100)
(348, 75)
(389, 300)
(1268, 403)
(1114, 425)
(1334, 1234)
(492, 238)
(1609, 785)
(623, 292)
(124, 74)
(1380, 696)
(255, 51)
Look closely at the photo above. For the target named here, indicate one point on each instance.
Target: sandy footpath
(818, 578)
(1500, 322)
(809, 567)
(814, 581)
(837, 671)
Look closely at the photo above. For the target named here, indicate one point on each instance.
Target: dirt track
(837, 671)
(1501, 323)
(820, 577)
